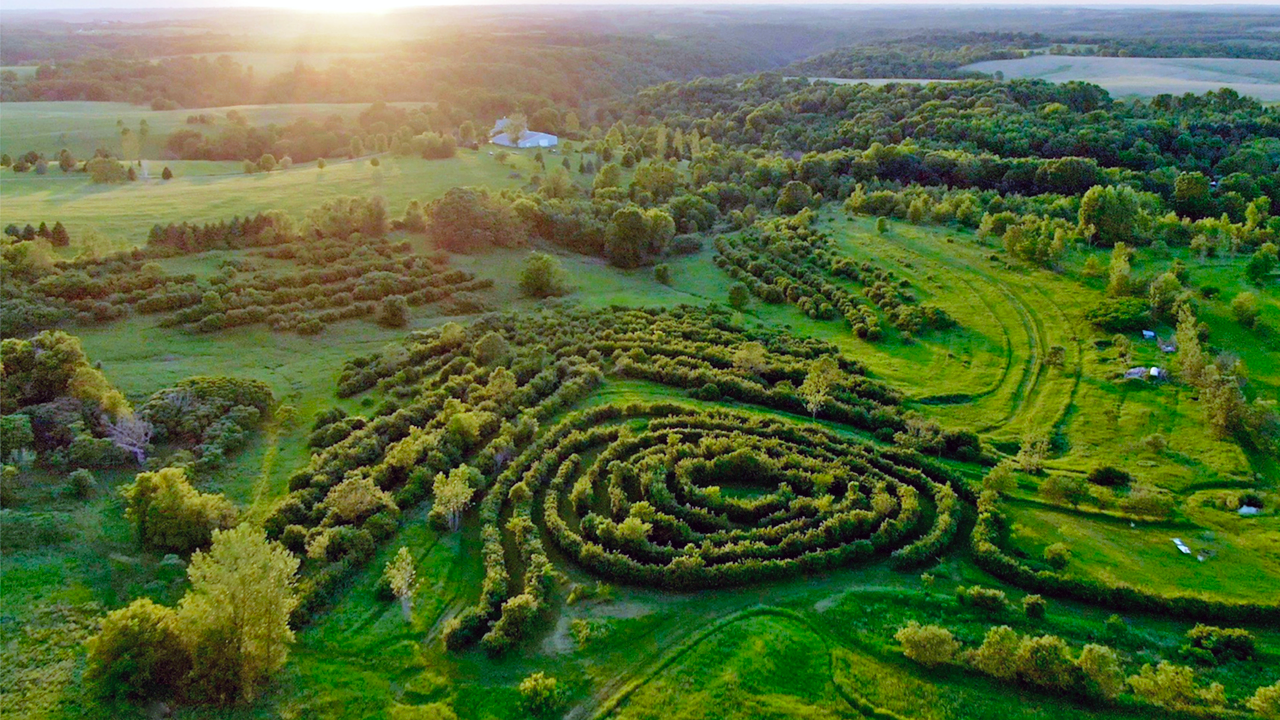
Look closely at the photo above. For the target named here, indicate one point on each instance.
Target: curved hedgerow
(679, 497)
(627, 492)
(787, 260)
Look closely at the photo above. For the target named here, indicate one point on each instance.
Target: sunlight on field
(1146, 77)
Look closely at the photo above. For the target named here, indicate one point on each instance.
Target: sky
(358, 6)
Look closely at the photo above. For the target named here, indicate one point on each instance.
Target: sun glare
(352, 7)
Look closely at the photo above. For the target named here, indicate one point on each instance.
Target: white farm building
(528, 139)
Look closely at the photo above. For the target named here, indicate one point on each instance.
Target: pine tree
(58, 237)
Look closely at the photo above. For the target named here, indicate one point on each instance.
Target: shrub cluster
(786, 260)
(479, 396)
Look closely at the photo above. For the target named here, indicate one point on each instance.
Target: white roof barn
(528, 139)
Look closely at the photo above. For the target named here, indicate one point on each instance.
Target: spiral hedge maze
(633, 493)
(677, 494)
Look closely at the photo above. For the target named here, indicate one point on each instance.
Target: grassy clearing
(987, 373)
(83, 127)
(1146, 77)
(125, 213)
(1241, 561)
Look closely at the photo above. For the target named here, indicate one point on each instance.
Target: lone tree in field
(543, 277)
(105, 171)
(58, 236)
(1190, 359)
(166, 174)
(1119, 273)
(453, 493)
(402, 578)
(818, 385)
(236, 614)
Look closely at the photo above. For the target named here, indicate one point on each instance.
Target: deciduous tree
(236, 613)
(823, 378)
(402, 577)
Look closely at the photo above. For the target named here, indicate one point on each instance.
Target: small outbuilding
(527, 139)
(1148, 334)
(1182, 547)
(1248, 510)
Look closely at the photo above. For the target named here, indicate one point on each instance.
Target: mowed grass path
(988, 373)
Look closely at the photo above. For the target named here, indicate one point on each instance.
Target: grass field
(83, 127)
(1146, 77)
(124, 213)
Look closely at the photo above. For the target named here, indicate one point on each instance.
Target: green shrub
(929, 645)
(170, 515)
(1109, 476)
(540, 696)
(1213, 645)
(81, 484)
(1123, 314)
(1057, 555)
(139, 654)
(1034, 606)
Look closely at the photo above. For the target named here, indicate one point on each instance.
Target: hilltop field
(1147, 77)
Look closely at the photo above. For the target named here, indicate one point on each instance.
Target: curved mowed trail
(989, 374)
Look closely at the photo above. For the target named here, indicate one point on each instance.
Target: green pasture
(812, 647)
(1146, 77)
(83, 127)
(1241, 560)
(125, 213)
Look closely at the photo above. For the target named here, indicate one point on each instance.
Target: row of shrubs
(786, 259)
(478, 396)
(721, 553)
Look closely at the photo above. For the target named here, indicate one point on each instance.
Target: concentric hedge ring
(673, 496)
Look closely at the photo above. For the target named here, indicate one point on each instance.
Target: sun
(352, 7)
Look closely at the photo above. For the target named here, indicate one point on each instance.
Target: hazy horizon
(391, 5)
